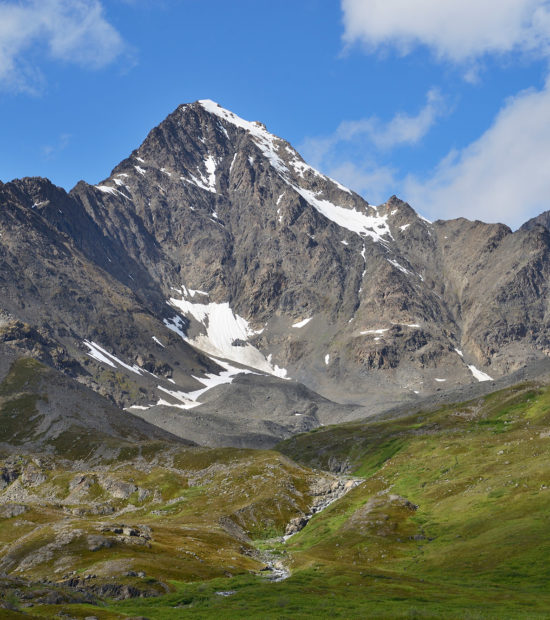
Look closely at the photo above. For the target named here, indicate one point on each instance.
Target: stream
(275, 569)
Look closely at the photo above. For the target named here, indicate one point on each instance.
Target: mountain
(218, 286)
(217, 290)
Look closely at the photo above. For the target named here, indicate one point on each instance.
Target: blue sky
(446, 104)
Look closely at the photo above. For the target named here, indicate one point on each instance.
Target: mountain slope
(44, 411)
(76, 300)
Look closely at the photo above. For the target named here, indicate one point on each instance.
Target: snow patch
(95, 353)
(39, 204)
(411, 325)
(301, 324)
(373, 226)
(101, 355)
(164, 403)
(226, 334)
(189, 291)
(441, 380)
(140, 170)
(263, 139)
(224, 130)
(398, 266)
(459, 352)
(327, 359)
(364, 273)
(300, 167)
(207, 182)
(106, 190)
(266, 141)
(375, 331)
(210, 165)
(188, 400)
(158, 341)
(176, 325)
(478, 374)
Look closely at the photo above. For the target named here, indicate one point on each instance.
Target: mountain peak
(215, 108)
(205, 146)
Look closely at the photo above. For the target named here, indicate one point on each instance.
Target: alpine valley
(231, 387)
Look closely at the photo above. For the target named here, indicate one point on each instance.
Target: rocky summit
(220, 288)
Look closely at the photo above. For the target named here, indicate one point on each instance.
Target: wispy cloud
(401, 129)
(71, 31)
(63, 141)
(376, 182)
(502, 176)
(455, 30)
(351, 152)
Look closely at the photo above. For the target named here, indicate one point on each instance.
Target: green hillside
(452, 521)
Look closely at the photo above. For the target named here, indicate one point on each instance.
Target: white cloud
(351, 153)
(456, 30)
(375, 182)
(502, 176)
(401, 129)
(72, 31)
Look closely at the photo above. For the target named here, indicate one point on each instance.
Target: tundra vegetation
(450, 517)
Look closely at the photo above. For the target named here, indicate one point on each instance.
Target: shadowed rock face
(540, 220)
(270, 265)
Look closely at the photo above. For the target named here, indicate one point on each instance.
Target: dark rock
(96, 542)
